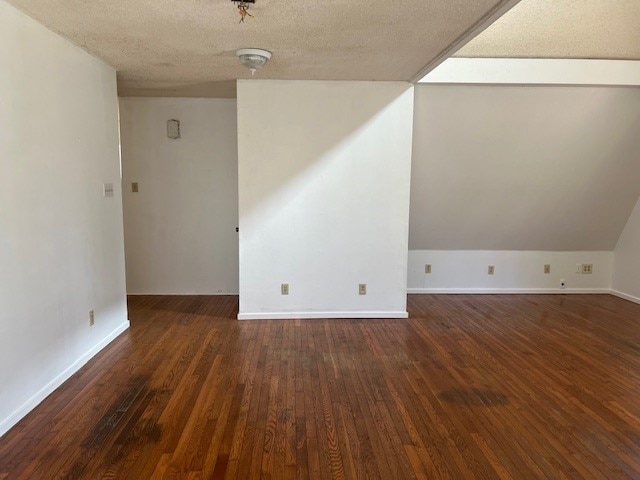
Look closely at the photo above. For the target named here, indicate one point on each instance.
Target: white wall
(535, 168)
(519, 177)
(528, 71)
(61, 242)
(455, 271)
(180, 228)
(324, 171)
(626, 263)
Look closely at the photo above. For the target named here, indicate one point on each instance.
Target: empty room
(250, 239)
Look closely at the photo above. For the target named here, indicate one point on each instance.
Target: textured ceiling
(187, 47)
(605, 29)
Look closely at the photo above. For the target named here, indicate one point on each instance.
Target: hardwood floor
(469, 387)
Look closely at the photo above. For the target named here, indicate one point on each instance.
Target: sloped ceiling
(599, 29)
(551, 168)
(170, 47)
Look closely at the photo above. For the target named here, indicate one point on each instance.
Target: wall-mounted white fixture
(173, 129)
(253, 58)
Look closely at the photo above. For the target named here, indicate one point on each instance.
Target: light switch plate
(107, 190)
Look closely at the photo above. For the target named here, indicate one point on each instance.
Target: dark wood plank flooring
(469, 387)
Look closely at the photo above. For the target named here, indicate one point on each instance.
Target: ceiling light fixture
(253, 58)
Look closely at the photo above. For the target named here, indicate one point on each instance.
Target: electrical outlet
(547, 269)
(491, 270)
(134, 187)
(587, 268)
(578, 268)
(92, 318)
(427, 268)
(362, 289)
(284, 289)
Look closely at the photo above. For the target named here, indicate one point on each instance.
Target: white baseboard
(506, 291)
(308, 315)
(130, 294)
(626, 296)
(44, 392)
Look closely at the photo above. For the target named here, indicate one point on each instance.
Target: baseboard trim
(200, 294)
(49, 388)
(625, 296)
(506, 291)
(311, 315)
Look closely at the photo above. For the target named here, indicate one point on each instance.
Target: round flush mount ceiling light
(253, 58)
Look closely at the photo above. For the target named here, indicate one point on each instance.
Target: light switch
(134, 187)
(107, 190)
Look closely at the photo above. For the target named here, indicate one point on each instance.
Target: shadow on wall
(219, 89)
(287, 138)
(523, 168)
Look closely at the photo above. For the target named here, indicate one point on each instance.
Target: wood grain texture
(469, 387)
